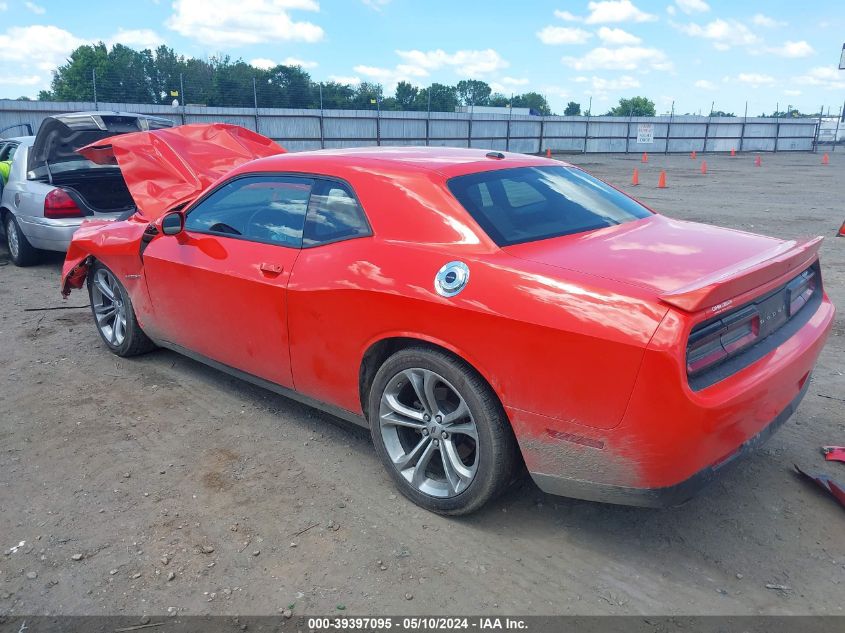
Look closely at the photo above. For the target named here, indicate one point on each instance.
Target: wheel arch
(383, 348)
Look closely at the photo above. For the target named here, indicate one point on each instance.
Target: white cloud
(20, 80)
(793, 50)
(266, 64)
(3, 6)
(226, 23)
(35, 8)
(609, 11)
(704, 84)
(624, 58)
(263, 63)
(345, 79)
(566, 15)
(764, 20)
(755, 80)
(692, 6)
(825, 77)
(602, 87)
(508, 85)
(563, 35)
(467, 62)
(295, 61)
(136, 38)
(617, 36)
(724, 34)
(671, 9)
(37, 47)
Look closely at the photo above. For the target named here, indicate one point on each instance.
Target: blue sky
(691, 51)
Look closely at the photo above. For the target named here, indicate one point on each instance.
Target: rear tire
(21, 251)
(440, 431)
(114, 315)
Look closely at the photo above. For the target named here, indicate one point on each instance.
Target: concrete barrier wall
(300, 129)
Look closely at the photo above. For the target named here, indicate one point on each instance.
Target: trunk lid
(166, 168)
(60, 135)
(689, 265)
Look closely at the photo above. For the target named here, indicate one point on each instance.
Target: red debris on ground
(834, 453)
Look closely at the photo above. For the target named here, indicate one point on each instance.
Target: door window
(268, 209)
(333, 214)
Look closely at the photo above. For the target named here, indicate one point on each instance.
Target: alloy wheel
(109, 308)
(429, 432)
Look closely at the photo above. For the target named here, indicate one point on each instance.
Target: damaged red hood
(168, 167)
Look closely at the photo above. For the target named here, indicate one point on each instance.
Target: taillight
(716, 341)
(800, 290)
(58, 204)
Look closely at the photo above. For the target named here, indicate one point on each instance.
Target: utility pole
(94, 83)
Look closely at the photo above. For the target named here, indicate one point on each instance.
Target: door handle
(271, 269)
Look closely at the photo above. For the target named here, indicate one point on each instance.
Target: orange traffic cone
(758, 162)
(733, 151)
(825, 159)
(635, 179)
(704, 167)
(548, 153)
(661, 182)
(841, 231)
(692, 154)
(645, 157)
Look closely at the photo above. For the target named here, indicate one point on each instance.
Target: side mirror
(173, 223)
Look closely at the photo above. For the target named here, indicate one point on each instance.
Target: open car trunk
(97, 190)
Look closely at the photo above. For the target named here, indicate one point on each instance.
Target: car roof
(22, 140)
(448, 161)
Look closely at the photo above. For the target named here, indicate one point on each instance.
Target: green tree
(497, 99)
(73, 81)
(285, 87)
(473, 92)
(443, 98)
(406, 96)
(336, 96)
(367, 96)
(533, 100)
(635, 106)
(572, 109)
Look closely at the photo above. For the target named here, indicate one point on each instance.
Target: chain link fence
(287, 106)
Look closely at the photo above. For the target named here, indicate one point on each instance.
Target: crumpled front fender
(74, 271)
(113, 242)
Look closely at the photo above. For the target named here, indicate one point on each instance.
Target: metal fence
(305, 129)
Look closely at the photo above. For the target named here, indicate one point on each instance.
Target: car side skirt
(331, 409)
(670, 495)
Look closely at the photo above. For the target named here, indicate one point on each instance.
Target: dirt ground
(156, 485)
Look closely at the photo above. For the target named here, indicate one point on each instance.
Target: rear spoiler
(745, 276)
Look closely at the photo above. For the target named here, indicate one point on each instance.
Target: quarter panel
(556, 347)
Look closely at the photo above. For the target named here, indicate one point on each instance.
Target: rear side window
(525, 204)
(333, 214)
(267, 209)
(7, 152)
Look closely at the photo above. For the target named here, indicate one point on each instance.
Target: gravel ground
(156, 485)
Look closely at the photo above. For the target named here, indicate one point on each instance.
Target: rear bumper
(48, 235)
(669, 495)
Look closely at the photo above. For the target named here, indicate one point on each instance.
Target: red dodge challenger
(476, 310)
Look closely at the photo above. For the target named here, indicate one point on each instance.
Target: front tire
(440, 431)
(114, 315)
(21, 251)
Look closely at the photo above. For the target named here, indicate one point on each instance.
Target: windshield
(525, 204)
